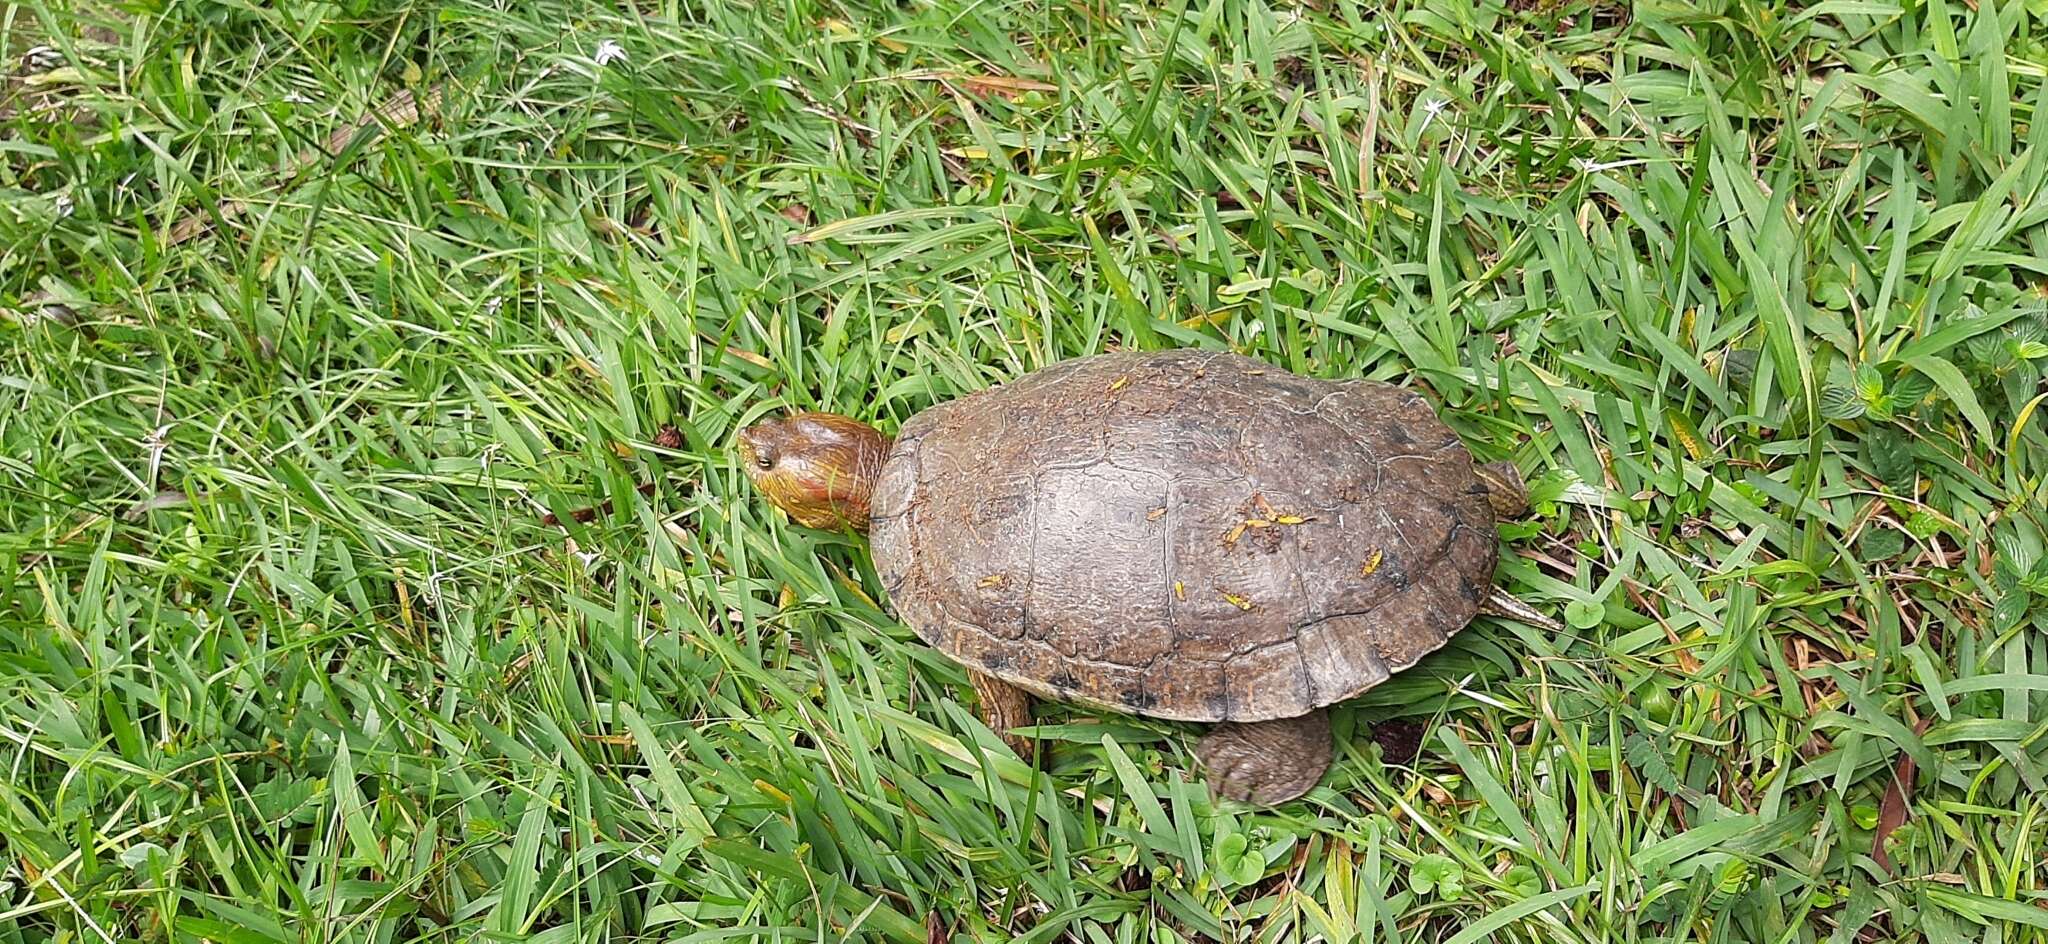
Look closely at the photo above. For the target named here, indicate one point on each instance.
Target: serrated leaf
(1989, 351)
(2010, 610)
(1910, 389)
(1837, 403)
(1731, 880)
(1881, 544)
(2014, 550)
(1891, 458)
(1869, 382)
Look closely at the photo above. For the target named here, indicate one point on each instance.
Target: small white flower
(608, 52)
(1592, 166)
(64, 205)
(496, 302)
(294, 97)
(1431, 108)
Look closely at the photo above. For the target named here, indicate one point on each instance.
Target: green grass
(1753, 292)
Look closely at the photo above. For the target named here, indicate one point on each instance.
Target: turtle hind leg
(1004, 706)
(1505, 489)
(1266, 762)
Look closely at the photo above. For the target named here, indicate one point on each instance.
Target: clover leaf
(1237, 863)
(1439, 874)
(1584, 614)
(1523, 879)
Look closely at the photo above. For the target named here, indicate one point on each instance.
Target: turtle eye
(764, 463)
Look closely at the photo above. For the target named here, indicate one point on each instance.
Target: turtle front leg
(1004, 706)
(1506, 605)
(1266, 762)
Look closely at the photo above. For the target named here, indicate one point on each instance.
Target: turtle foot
(1004, 706)
(1266, 762)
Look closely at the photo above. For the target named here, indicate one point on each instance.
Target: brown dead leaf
(750, 357)
(999, 86)
(1892, 812)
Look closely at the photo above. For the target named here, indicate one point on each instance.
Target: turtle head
(818, 467)
(1505, 490)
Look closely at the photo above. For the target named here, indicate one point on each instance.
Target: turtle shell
(1186, 535)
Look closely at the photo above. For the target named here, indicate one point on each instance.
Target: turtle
(1185, 535)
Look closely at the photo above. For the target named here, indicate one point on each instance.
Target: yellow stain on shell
(1236, 600)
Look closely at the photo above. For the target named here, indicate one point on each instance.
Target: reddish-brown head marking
(818, 467)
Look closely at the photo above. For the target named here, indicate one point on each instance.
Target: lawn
(319, 321)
